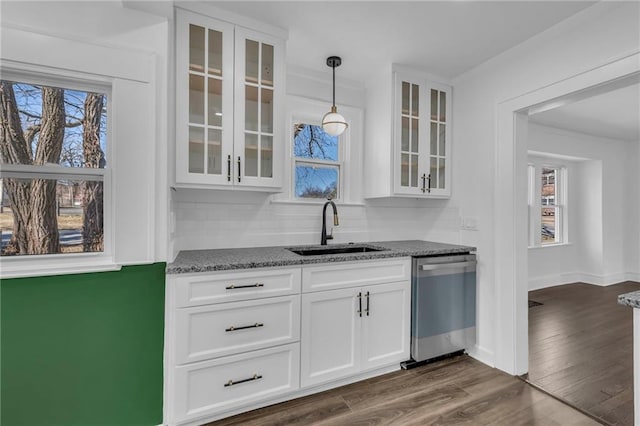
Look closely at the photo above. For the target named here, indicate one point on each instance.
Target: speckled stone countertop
(261, 257)
(630, 299)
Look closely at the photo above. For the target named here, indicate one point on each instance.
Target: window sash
(24, 171)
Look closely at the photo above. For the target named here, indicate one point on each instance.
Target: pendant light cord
(334, 84)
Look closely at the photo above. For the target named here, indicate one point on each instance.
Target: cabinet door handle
(228, 168)
(250, 379)
(235, 287)
(244, 327)
(367, 308)
(424, 182)
(429, 180)
(360, 304)
(239, 170)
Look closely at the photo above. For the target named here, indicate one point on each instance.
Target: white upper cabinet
(408, 136)
(229, 105)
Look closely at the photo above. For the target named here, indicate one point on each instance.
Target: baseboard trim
(573, 277)
(483, 355)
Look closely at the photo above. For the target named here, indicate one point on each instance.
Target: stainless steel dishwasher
(443, 306)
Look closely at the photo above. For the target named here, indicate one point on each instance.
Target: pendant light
(332, 122)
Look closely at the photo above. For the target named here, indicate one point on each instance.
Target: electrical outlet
(470, 223)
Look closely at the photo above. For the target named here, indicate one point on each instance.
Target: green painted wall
(83, 349)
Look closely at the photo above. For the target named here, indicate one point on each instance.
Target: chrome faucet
(324, 237)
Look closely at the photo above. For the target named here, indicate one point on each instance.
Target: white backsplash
(208, 219)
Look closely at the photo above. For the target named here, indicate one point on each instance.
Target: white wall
(208, 219)
(126, 49)
(597, 36)
(601, 246)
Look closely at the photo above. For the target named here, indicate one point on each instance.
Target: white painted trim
(511, 215)
(233, 18)
(581, 277)
(18, 46)
(483, 355)
(27, 266)
(636, 365)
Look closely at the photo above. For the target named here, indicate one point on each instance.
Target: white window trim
(534, 170)
(67, 263)
(350, 156)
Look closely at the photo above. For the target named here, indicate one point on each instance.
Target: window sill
(317, 202)
(24, 267)
(550, 245)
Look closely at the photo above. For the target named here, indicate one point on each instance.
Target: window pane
(251, 108)
(214, 152)
(405, 97)
(215, 52)
(548, 225)
(441, 169)
(215, 102)
(251, 60)
(316, 181)
(414, 136)
(404, 131)
(267, 64)
(196, 99)
(266, 156)
(443, 102)
(414, 171)
(404, 170)
(266, 111)
(75, 138)
(415, 100)
(441, 139)
(251, 155)
(68, 216)
(310, 141)
(196, 149)
(434, 105)
(196, 48)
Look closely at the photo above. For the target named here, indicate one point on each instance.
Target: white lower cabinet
(346, 332)
(239, 340)
(225, 383)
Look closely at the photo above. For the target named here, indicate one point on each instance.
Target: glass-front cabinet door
(422, 114)
(204, 99)
(258, 108)
(228, 104)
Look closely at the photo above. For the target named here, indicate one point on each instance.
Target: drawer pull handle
(250, 379)
(233, 286)
(244, 327)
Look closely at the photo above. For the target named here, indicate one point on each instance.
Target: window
(316, 163)
(54, 168)
(546, 204)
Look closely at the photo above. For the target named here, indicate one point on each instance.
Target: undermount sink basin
(315, 251)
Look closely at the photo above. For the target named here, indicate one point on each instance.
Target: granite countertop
(262, 257)
(630, 299)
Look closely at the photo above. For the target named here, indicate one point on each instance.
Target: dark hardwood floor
(460, 390)
(581, 348)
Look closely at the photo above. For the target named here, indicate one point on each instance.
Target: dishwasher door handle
(436, 266)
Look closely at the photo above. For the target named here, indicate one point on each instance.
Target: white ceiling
(614, 115)
(445, 38)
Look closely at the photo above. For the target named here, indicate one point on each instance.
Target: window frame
(56, 263)
(295, 161)
(535, 205)
(350, 183)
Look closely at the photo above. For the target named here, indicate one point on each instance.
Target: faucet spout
(324, 237)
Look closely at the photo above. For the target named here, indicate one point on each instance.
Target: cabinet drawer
(205, 332)
(334, 276)
(215, 386)
(221, 287)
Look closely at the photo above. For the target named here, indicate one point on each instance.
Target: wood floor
(460, 390)
(581, 348)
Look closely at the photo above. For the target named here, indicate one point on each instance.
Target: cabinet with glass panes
(409, 136)
(229, 105)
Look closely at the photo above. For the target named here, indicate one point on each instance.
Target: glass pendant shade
(333, 123)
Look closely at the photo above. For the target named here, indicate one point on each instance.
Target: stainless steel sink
(320, 251)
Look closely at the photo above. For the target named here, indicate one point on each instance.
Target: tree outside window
(317, 163)
(52, 153)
